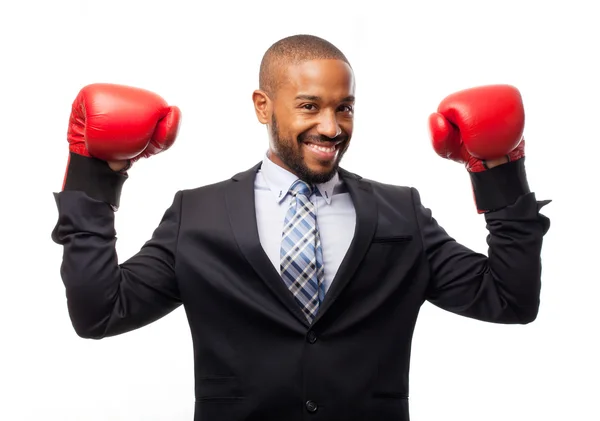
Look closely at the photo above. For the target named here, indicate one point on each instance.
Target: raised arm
(117, 124)
(482, 128)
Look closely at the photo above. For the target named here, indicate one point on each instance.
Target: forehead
(324, 78)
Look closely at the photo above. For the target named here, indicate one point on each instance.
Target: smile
(322, 152)
(328, 149)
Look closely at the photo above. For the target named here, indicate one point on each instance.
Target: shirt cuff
(95, 178)
(500, 186)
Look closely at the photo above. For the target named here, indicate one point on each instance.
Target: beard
(291, 155)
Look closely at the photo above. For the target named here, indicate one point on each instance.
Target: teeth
(322, 148)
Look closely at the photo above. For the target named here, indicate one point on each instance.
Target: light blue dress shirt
(336, 217)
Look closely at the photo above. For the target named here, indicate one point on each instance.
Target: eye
(309, 107)
(347, 108)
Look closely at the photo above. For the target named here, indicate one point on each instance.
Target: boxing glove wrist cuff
(95, 178)
(500, 186)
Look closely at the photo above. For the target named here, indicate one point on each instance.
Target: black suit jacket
(256, 357)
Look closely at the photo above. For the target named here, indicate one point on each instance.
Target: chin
(318, 174)
(323, 170)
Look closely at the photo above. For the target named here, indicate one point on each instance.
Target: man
(301, 281)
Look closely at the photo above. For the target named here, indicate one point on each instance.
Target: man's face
(312, 118)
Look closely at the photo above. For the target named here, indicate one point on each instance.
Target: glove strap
(500, 186)
(95, 178)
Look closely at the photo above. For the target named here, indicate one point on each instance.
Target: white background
(204, 57)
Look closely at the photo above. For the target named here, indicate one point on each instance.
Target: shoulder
(383, 191)
(246, 178)
(207, 188)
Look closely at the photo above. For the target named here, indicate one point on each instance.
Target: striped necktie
(301, 253)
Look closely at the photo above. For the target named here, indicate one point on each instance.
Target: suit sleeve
(105, 298)
(502, 287)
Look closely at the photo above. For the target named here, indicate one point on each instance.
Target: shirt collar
(279, 180)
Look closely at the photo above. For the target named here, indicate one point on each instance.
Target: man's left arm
(482, 128)
(504, 285)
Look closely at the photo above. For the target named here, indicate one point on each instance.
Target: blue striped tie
(301, 253)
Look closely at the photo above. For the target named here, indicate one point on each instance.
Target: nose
(328, 125)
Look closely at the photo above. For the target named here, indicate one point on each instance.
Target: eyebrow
(349, 98)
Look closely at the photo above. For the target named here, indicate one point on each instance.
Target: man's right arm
(106, 298)
(111, 125)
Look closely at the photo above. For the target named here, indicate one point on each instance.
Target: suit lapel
(242, 214)
(366, 224)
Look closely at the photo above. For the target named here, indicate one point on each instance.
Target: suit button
(311, 406)
(311, 337)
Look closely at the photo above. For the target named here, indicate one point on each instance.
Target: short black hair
(293, 50)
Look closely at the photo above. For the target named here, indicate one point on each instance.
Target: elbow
(526, 314)
(86, 324)
(522, 304)
(89, 316)
(529, 317)
(89, 331)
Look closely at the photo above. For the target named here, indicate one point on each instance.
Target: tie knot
(301, 187)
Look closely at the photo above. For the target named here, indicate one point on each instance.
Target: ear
(262, 106)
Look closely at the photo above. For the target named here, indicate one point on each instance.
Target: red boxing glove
(118, 124)
(121, 123)
(479, 124)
